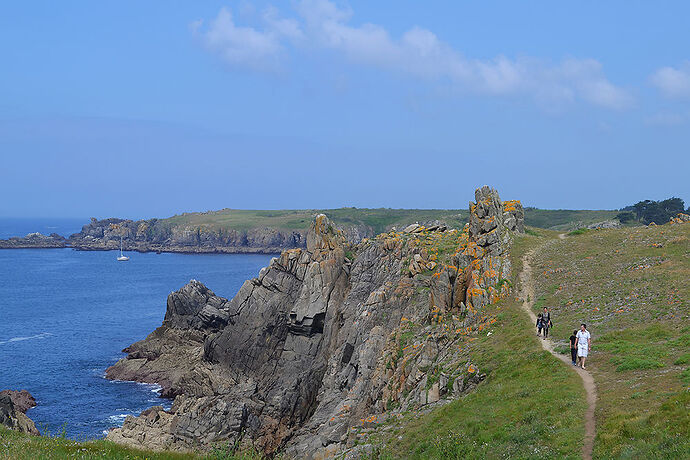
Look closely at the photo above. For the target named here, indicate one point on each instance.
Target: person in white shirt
(583, 343)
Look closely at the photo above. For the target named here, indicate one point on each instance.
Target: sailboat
(122, 257)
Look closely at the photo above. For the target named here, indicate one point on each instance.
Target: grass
(529, 406)
(378, 220)
(632, 288)
(565, 219)
(19, 446)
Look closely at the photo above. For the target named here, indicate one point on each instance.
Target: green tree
(658, 211)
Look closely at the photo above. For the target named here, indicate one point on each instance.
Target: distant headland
(234, 231)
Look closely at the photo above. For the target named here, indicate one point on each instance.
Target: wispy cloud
(418, 52)
(673, 82)
(247, 47)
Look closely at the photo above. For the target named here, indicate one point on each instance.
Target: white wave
(118, 419)
(42, 335)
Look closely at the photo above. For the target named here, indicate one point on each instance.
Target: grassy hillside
(565, 219)
(529, 406)
(632, 288)
(379, 220)
(19, 446)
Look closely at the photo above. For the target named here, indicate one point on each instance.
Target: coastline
(156, 249)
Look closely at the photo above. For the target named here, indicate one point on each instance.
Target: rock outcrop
(13, 407)
(680, 218)
(34, 240)
(328, 338)
(604, 224)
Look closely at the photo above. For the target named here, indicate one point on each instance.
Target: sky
(149, 109)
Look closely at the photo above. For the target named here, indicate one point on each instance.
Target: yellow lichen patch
(473, 250)
(475, 292)
(511, 205)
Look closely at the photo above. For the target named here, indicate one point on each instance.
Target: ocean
(65, 316)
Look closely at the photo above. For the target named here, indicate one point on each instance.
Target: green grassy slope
(18, 446)
(565, 219)
(632, 287)
(529, 406)
(380, 220)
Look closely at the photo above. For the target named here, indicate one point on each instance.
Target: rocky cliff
(327, 340)
(157, 235)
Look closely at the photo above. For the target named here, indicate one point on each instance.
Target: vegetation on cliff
(528, 406)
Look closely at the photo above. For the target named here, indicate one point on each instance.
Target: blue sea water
(65, 316)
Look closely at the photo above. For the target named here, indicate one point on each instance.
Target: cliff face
(154, 235)
(328, 338)
(159, 235)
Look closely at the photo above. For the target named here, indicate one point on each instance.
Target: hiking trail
(527, 294)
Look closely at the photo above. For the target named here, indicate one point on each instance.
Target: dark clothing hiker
(573, 348)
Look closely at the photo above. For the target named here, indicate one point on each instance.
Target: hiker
(539, 324)
(546, 322)
(573, 347)
(583, 341)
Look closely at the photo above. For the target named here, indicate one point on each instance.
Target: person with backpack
(546, 323)
(573, 347)
(539, 324)
(583, 343)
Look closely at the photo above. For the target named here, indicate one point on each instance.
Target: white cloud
(418, 53)
(673, 82)
(246, 46)
(281, 27)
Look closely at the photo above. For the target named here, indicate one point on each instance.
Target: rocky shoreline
(329, 340)
(153, 236)
(35, 241)
(54, 241)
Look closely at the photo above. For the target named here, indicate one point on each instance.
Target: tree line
(649, 211)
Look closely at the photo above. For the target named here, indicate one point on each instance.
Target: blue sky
(142, 109)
